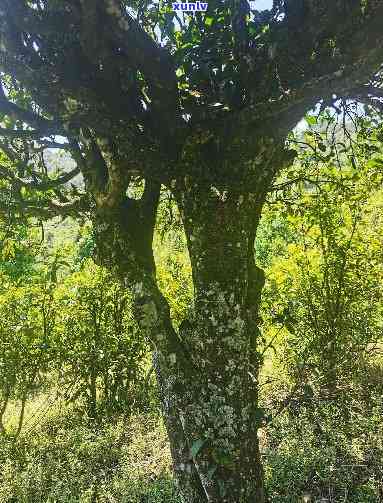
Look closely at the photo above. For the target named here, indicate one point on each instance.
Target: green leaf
(260, 414)
(322, 147)
(196, 447)
(211, 472)
(311, 120)
(308, 391)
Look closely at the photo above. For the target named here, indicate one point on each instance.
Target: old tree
(199, 105)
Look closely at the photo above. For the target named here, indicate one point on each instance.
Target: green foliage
(28, 318)
(325, 286)
(328, 448)
(18, 244)
(100, 354)
(85, 246)
(272, 238)
(323, 319)
(67, 323)
(69, 460)
(174, 274)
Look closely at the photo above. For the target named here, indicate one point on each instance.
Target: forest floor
(63, 457)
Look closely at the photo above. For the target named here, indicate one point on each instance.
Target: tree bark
(208, 372)
(3, 409)
(123, 236)
(219, 409)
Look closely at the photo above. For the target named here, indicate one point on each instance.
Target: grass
(67, 459)
(61, 457)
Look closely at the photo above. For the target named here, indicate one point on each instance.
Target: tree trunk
(3, 410)
(123, 236)
(208, 372)
(92, 391)
(218, 408)
(21, 415)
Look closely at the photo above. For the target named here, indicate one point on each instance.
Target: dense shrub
(100, 354)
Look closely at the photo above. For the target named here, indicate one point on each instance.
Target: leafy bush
(28, 318)
(101, 355)
(312, 449)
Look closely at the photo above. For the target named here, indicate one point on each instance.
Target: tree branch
(41, 186)
(306, 69)
(124, 35)
(49, 210)
(44, 126)
(24, 133)
(108, 44)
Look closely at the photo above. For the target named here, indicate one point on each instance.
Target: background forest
(79, 414)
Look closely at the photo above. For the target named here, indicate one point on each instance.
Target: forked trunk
(207, 372)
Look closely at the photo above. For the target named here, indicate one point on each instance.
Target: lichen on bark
(208, 372)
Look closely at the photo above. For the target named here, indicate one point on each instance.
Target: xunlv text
(190, 6)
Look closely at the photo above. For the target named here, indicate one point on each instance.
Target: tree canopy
(129, 88)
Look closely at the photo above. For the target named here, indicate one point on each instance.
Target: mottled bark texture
(219, 410)
(208, 372)
(123, 234)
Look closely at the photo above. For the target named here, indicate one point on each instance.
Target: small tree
(102, 360)
(326, 285)
(28, 317)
